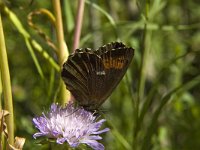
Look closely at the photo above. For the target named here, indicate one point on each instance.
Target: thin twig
(78, 27)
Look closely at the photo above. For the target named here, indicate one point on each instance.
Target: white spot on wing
(100, 73)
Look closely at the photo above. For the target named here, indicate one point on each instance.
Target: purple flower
(71, 125)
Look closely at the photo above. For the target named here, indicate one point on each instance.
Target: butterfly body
(92, 75)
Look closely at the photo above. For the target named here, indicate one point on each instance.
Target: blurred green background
(166, 37)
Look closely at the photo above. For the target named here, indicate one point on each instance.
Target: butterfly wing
(91, 76)
(78, 72)
(116, 58)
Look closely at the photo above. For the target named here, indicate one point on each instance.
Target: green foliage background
(166, 38)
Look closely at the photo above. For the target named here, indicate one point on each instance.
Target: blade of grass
(103, 12)
(26, 36)
(108, 16)
(1, 92)
(141, 84)
(34, 58)
(118, 136)
(51, 82)
(151, 129)
(46, 56)
(149, 99)
(7, 92)
(69, 19)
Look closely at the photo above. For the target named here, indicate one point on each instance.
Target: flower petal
(93, 137)
(95, 145)
(98, 124)
(102, 131)
(60, 140)
(37, 135)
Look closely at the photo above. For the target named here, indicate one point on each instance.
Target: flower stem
(62, 47)
(5, 77)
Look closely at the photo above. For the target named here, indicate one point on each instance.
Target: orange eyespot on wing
(115, 63)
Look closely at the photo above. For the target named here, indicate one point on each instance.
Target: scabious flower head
(71, 125)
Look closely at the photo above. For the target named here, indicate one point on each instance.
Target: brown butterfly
(92, 75)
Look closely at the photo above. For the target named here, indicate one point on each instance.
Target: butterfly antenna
(73, 112)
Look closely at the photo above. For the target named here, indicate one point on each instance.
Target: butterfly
(92, 75)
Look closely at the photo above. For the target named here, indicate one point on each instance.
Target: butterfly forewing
(91, 76)
(74, 80)
(115, 62)
(78, 72)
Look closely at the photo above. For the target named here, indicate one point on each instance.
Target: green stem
(1, 135)
(141, 83)
(7, 93)
(62, 47)
(1, 92)
(144, 49)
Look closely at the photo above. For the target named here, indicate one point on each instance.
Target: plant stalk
(7, 93)
(142, 79)
(62, 47)
(78, 27)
